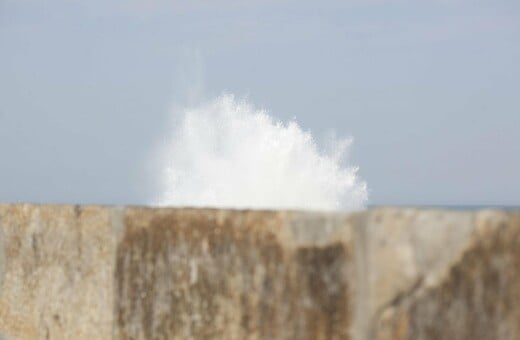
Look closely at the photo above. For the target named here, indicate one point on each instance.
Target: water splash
(226, 153)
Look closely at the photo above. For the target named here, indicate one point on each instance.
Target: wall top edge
(378, 208)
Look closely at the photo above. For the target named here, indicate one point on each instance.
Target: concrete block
(209, 274)
(57, 273)
(471, 293)
(89, 272)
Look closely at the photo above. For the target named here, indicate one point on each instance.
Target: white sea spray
(226, 153)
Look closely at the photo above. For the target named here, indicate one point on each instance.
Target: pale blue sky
(430, 91)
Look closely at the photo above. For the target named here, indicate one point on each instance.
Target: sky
(429, 91)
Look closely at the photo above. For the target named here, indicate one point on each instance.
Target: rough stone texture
(57, 272)
(478, 297)
(270, 283)
(404, 248)
(70, 272)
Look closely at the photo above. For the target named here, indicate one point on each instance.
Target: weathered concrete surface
(58, 265)
(140, 273)
(475, 294)
(136, 273)
(192, 274)
(404, 248)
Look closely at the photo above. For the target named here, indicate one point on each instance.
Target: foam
(226, 153)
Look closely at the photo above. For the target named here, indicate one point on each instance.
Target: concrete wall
(89, 272)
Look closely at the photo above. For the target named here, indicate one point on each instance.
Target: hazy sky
(430, 90)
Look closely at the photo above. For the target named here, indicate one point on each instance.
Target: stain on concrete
(247, 284)
(479, 299)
